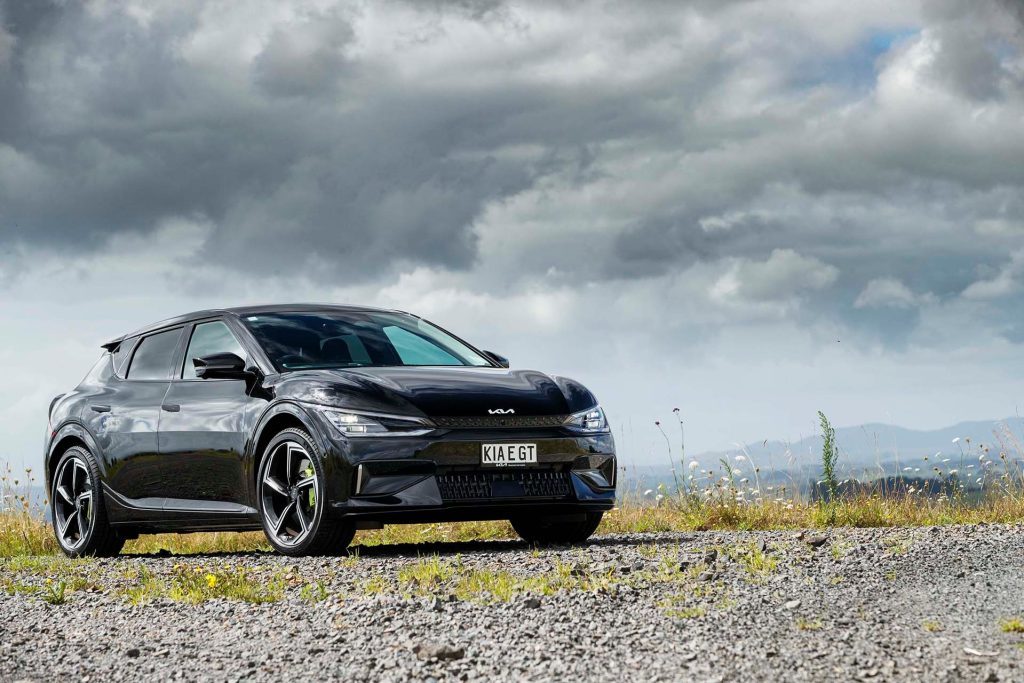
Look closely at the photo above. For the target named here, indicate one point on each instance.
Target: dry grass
(22, 533)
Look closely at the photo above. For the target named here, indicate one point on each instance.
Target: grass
(932, 626)
(1012, 625)
(23, 534)
(809, 624)
(196, 584)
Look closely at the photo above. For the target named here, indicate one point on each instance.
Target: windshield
(311, 340)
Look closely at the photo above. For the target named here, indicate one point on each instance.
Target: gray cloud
(728, 184)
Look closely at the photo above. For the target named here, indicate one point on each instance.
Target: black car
(313, 421)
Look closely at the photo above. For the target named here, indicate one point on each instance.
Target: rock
(438, 651)
(133, 652)
(531, 602)
(816, 541)
(791, 604)
(436, 604)
(980, 653)
(710, 556)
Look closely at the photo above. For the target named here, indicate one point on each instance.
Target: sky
(749, 211)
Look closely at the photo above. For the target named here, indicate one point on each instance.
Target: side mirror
(498, 358)
(220, 366)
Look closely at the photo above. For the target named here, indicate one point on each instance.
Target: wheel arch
(278, 417)
(69, 435)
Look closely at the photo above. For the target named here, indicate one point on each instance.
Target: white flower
(953, 471)
(739, 458)
(907, 469)
(649, 492)
(693, 465)
(956, 440)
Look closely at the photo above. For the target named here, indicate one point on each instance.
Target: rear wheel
(79, 515)
(545, 529)
(292, 503)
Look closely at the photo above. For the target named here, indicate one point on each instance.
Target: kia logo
(501, 411)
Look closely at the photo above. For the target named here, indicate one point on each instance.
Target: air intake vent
(500, 422)
(504, 484)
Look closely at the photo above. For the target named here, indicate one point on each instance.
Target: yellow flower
(211, 580)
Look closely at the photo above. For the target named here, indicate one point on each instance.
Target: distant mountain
(874, 445)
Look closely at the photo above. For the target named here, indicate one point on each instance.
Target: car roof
(242, 311)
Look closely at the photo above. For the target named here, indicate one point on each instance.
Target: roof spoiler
(112, 345)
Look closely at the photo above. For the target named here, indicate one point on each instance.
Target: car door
(204, 425)
(126, 421)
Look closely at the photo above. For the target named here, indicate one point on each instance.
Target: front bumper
(438, 477)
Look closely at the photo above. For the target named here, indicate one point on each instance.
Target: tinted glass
(154, 355)
(307, 340)
(208, 339)
(415, 350)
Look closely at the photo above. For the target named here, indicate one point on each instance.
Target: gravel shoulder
(848, 604)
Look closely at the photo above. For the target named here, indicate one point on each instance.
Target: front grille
(500, 421)
(504, 484)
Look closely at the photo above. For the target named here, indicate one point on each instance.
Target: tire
(80, 521)
(541, 530)
(290, 490)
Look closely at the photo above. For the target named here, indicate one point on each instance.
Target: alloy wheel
(290, 493)
(73, 506)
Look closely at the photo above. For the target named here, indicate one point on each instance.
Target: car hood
(437, 391)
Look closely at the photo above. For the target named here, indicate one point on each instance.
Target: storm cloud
(842, 182)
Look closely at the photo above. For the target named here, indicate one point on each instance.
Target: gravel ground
(871, 604)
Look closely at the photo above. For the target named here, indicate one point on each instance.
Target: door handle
(171, 407)
(100, 408)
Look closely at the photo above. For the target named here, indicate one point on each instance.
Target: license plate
(509, 454)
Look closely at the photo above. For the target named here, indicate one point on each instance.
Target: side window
(154, 355)
(415, 350)
(208, 339)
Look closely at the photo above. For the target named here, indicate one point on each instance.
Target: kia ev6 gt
(311, 422)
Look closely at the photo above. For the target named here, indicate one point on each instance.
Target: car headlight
(372, 424)
(589, 421)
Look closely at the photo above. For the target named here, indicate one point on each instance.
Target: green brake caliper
(312, 490)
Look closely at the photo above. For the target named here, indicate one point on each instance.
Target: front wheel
(292, 501)
(573, 529)
(79, 516)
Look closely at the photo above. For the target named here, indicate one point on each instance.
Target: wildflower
(739, 458)
(649, 492)
(211, 580)
(956, 440)
(693, 465)
(953, 471)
